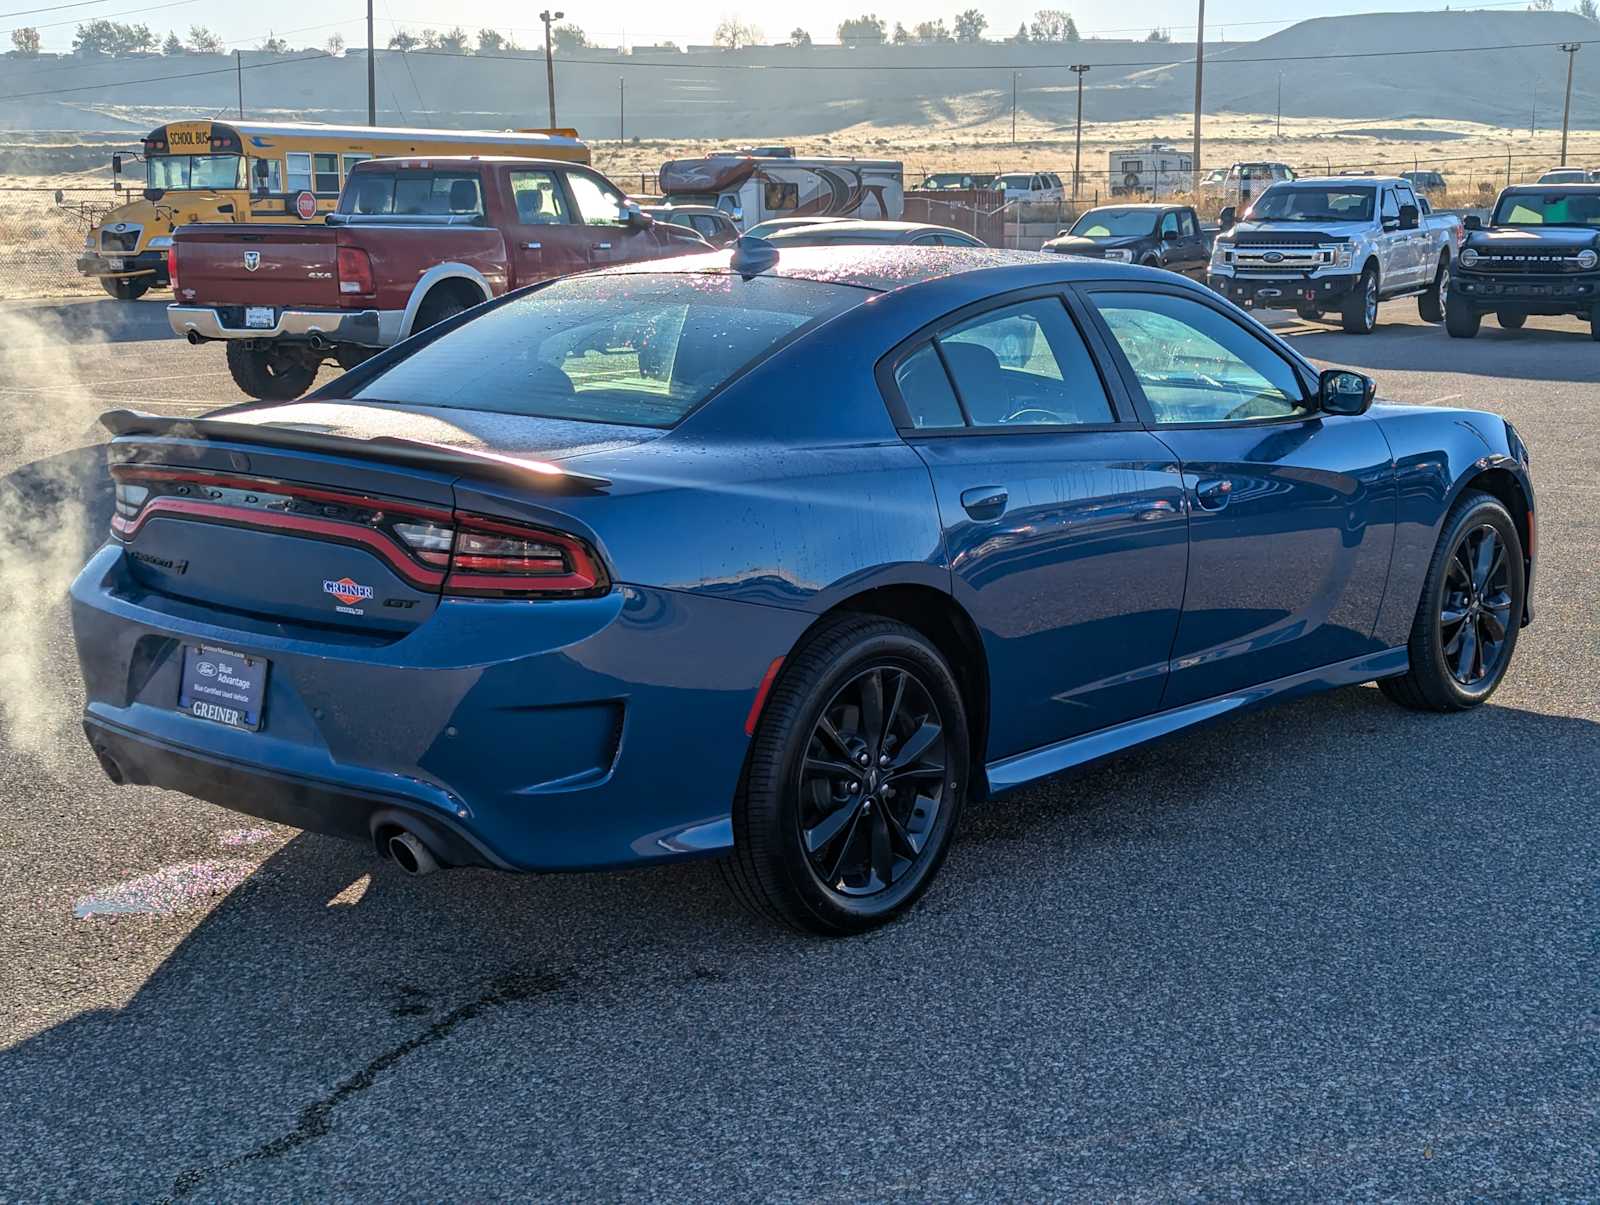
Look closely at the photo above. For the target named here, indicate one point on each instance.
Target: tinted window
(1025, 365)
(1548, 207)
(598, 203)
(1197, 365)
(926, 391)
(638, 349)
(413, 194)
(538, 199)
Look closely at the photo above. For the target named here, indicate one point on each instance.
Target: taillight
(172, 268)
(355, 271)
(504, 560)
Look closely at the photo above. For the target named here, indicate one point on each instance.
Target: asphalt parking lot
(1331, 949)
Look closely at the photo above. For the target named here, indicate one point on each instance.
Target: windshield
(1567, 177)
(948, 180)
(194, 171)
(1298, 203)
(1548, 207)
(1115, 223)
(640, 349)
(1022, 182)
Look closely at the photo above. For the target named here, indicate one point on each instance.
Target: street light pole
(1571, 49)
(372, 73)
(1280, 104)
(1013, 108)
(549, 61)
(1078, 70)
(1199, 72)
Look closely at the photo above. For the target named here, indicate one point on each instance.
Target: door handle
(1213, 494)
(600, 247)
(985, 501)
(532, 246)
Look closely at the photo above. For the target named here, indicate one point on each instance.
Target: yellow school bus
(262, 171)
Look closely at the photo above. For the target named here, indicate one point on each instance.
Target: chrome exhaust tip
(411, 855)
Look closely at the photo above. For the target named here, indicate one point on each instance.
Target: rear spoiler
(414, 453)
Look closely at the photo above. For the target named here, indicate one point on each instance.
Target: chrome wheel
(1475, 613)
(1444, 286)
(1370, 302)
(872, 781)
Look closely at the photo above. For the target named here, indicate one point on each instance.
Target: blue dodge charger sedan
(780, 557)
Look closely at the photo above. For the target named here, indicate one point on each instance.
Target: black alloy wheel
(1466, 626)
(872, 781)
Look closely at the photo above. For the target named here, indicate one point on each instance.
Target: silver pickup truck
(1336, 243)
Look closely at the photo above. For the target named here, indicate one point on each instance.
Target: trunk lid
(258, 264)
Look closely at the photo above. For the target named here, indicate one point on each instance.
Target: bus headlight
(1469, 258)
(161, 242)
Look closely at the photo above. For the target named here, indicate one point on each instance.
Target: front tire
(1510, 320)
(270, 374)
(1359, 313)
(1431, 305)
(1466, 626)
(127, 288)
(1460, 319)
(854, 781)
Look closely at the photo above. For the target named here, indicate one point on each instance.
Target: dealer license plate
(223, 686)
(260, 317)
(115, 263)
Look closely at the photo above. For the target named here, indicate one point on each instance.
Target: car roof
(1344, 180)
(886, 266)
(1586, 185)
(466, 161)
(881, 227)
(1152, 206)
(697, 209)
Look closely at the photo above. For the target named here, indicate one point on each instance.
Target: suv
(1031, 187)
(1425, 182)
(1339, 243)
(1540, 254)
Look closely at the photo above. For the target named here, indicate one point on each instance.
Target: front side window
(1025, 365)
(539, 199)
(1169, 224)
(598, 203)
(640, 349)
(194, 171)
(299, 171)
(1547, 207)
(1391, 206)
(1196, 364)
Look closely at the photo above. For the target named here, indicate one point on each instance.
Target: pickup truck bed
(412, 243)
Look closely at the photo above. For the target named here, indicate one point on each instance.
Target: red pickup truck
(412, 242)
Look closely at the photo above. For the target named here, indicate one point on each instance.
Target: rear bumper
(1524, 294)
(363, 328)
(561, 735)
(143, 264)
(1282, 292)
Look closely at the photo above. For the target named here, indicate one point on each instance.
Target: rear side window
(926, 391)
(414, 194)
(638, 349)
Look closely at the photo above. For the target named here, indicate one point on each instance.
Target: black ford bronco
(1539, 254)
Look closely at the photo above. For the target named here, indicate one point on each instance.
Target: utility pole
(1199, 73)
(549, 62)
(1533, 118)
(1280, 104)
(372, 73)
(238, 70)
(1013, 108)
(1078, 69)
(622, 109)
(1571, 49)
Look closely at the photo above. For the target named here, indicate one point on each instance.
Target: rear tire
(1431, 305)
(127, 288)
(1474, 591)
(842, 821)
(1509, 320)
(1359, 312)
(271, 374)
(1460, 319)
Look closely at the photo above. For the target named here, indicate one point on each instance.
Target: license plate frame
(231, 692)
(260, 317)
(115, 263)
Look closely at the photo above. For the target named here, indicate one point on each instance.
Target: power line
(54, 8)
(157, 79)
(127, 12)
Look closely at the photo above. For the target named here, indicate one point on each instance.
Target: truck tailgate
(258, 264)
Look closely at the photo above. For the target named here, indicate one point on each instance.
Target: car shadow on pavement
(1535, 353)
(1243, 868)
(104, 321)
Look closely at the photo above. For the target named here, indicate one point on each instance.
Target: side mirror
(636, 218)
(1169, 236)
(1409, 216)
(1228, 217)
(1472, 222)
(1344, 392)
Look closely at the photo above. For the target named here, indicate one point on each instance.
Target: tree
(568, 37)
(901, 34)
(1588, 9)
(403, 40)
(732, 33)
(799, 37)
(1053, 25)
(113, 38)
(970, 26)
(173, 44)
(1541, 6)
(491, 41)
(1162, 35)
(869, 29)
(932, 31)
(335, 44)
(455, 42)
(26, 41)
(1022, 32)
(429, 39)
(203, 41)
(274, 44)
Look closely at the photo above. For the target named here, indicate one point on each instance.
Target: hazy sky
(310, 22)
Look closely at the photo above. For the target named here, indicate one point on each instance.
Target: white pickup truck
(1336, 243)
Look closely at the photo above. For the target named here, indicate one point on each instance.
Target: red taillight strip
(123, 472)
(762, 691)
(329, 529)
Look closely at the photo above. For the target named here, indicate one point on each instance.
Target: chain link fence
(41, 236)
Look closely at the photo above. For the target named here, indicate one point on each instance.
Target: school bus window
(273, 181)
(327, 175)
(350, 161)
(299, 171)
(193, 171)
